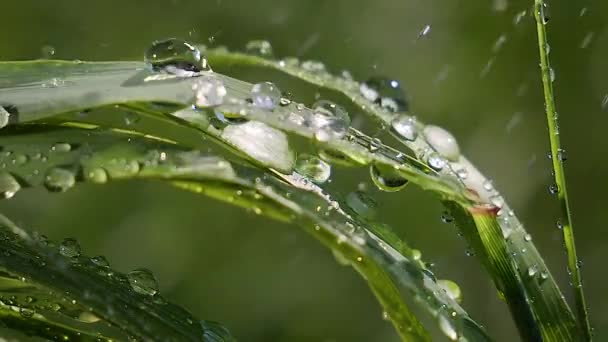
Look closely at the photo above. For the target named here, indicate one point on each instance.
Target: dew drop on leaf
(176, 56)
(330, 109)
(59, 180)
(387, 178)
(61, 147)
(385, 92)
(96, 175)
(26, 312)
(8, 185)
(143, 282)
(451, 288)
(100, 261)
(405, 126)
(70, 248)
(442, 141)
(436, 162)
(265, 95)
(313, 168)
(446, 325)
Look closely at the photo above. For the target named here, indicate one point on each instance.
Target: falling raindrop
(177, 57)
(405, 126)
(385, 92)
(443, 142)
(70, 248)
(143, 282)
(260, 48)
(313, 168)
(387, 178)
(208, 92)
(265, 95)
(60, 180)
(425, 31)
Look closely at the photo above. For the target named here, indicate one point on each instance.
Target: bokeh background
(475, 72)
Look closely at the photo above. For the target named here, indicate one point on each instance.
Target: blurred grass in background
(271, 282)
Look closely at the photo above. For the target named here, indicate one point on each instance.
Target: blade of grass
(557, 159)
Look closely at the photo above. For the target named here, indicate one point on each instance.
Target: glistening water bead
(385, 92)
(313, 168)
(265, 95)
(176, 56)
(443, 142)
(330, 121)
(387, 178)
(4, 117)
(405, 126)
(143, 282)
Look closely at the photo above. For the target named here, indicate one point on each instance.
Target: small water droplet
(131, 118)
(559, 225)
(462, 173)
(47, 52)
(96, 175)
(70, 248)
(553, 189)
(443, 142)
(447, 327)
(265, 95)
(385, 92)
(387, 178)
(488, 186)
(446, 217)
(8, 185)
(329, 120)
(143, 282)
(562, 155)
(451, 288)
(527, 238)
(61, 147)
(425, 31)
(436, 162)
(405, 126)
(260, 48)
(59, 180)
(545, 13)
(4, 117)
(176, 56)
(313, 67)
(362, 204)
(329, 109)
(313, 168)
(26, 312)
(532, 270)
(209, 92)
(100, 261)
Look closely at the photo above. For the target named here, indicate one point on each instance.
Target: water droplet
(416, 254)
(96, 175)
(436, 162)
(60, 180)
(260, 48)
(100, 261)
(405, 126)
(562, 155)
(47, 52)
(451, 288)
(70, 248)
(387, 178)
(362, 204)
(329, 109)
(26, 312)
(579, 263)
(425, 31)
(209, 92)
(446, 217)
(442, 141)
(4, 117)
(131, 118)
(313, 66)
(8, 185)
(313, 168)
(527, 237)
(462, 173)
(143, 282)
(488, 186)
(385, 92)
(519, 16)
(545, 13)
(61, 147)
(544, 275)
(447, 327)
(265, 95)
(559, 225)
(532, 270)
(386, 316)
(553, 189)
(175, 56)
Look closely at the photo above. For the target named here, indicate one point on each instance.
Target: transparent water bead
(387, 178)
(8, 185)
(143, 282)
(385, 92)
(265, 95)
(260, 48)
(60, 180)
(176, 56)
(330, 121)
(4, 117)
(208, 92)
(362, 204)
(451, 288)
(436, 162)
(328, 108)
(442, 141)
(70, 248)
(313, 168)
(405, 126)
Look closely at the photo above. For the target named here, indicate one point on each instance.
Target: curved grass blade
(388, 271)
(71, 297)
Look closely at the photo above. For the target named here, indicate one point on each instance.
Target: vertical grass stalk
(557, 158)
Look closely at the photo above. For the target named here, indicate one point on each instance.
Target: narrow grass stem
(557, 158)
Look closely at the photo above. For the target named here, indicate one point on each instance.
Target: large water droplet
(330, 121)
(96, 175)
(362, 204)
(260, 48)
(176, 56)
(8, 185)
(265, 95)
(209, 92)
(70, 248)
(313, 168)
(436, 162)
(405, 126)
(451, 288)
(4, 117)
(58, 179)
(442, 141)
(143, 282)
(387, 178)
(385, 92)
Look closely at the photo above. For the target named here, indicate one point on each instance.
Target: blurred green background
(271, 282)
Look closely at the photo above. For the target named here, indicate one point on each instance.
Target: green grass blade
(557, 158)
